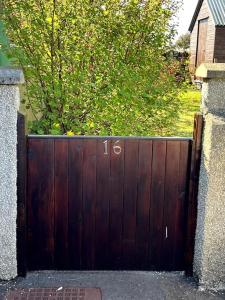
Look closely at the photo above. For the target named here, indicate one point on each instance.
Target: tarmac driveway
(118, 285)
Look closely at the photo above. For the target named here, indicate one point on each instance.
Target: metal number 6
(116, 148)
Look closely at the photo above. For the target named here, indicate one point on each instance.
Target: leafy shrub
(96, 67)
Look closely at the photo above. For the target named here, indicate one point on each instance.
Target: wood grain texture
(202, 38)
(130, 202)
(120, 205)
(41, 204)
(143, 204)
(157, 232)
(116, 192)
(75, 204)
(171, 203)
(181, 205)
(102, 207)
(61, 204)
(89, 203)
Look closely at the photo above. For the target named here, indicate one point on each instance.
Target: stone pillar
(209, 260)
(9, 105)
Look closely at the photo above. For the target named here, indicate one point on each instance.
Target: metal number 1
(106, 147)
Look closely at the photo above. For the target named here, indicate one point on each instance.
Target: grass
(190, 105)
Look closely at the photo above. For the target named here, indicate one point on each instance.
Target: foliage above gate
(96, 67)
(4, 61)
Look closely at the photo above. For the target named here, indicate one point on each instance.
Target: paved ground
(118, 285)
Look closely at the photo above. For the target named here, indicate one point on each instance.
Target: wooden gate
(109, 203)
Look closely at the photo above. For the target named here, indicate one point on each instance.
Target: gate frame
(192, 203)
(193, 192)
(21, 196)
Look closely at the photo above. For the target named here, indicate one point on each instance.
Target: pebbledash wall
(10, 79)
(209, 260)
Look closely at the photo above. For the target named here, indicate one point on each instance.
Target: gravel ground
(118, 285)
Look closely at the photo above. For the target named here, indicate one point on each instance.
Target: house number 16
(116, 148)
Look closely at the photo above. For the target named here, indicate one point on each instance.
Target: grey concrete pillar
(9, 105)
(209, 260)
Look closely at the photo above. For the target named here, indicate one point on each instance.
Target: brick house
(207, 33)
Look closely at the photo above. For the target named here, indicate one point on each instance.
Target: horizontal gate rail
(33, 136)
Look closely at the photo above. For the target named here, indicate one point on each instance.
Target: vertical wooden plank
(193, 192)
(130, 202)
(170, 207)
(143, 203)
(201, 43)
(75, 202)
(102, 205)
(157, 233)
(181, 207)
(116, 206)
(61, 204)
(41, 203)
(21, 196)
(89, 203)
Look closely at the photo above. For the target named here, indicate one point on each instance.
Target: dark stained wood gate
(107, 203)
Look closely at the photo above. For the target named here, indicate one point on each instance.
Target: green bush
(96, 67)
(4, 45)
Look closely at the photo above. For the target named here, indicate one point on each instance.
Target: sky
(185, 15)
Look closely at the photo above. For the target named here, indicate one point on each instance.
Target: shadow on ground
(117, 285)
